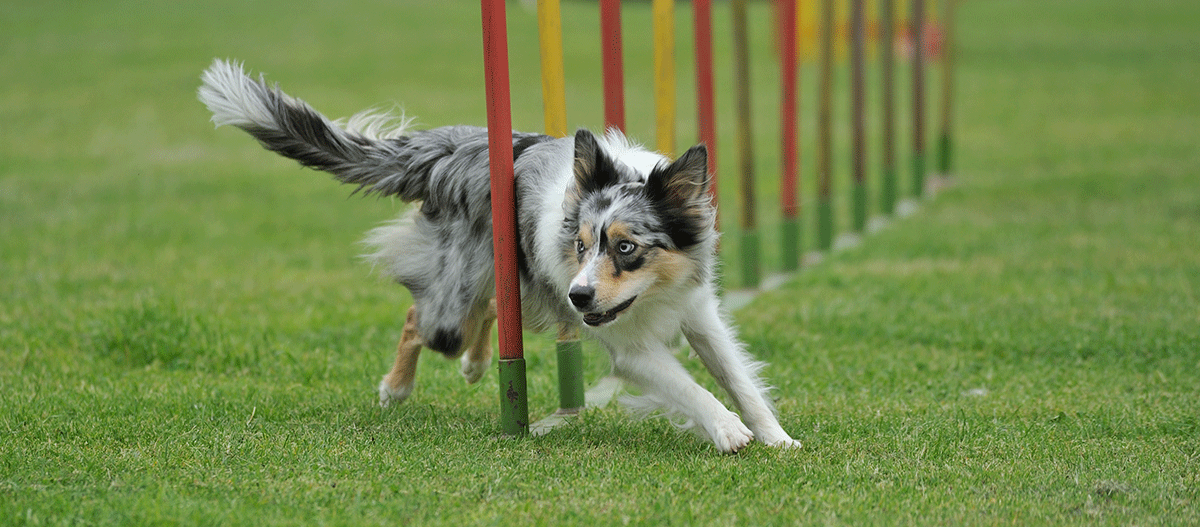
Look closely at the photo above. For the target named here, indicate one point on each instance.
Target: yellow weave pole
(554, 105)
(554, 99)
(664, 74)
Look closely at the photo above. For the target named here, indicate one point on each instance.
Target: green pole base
(750, 275)
(860, 207)
(918, 181)
(945, 154)
(791, 244)
(570, 375)
(514, 398)
(887, 191)
(825, 224)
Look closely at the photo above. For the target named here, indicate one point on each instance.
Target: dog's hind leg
(397, 385)
(478, 357)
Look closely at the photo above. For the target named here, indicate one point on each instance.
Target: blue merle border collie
(613, 237)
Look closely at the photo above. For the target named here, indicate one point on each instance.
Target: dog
(612, 237)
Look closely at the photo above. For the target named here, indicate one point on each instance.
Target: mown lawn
(187, 335)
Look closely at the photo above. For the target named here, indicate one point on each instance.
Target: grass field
(188, 337)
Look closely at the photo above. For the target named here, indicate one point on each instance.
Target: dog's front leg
(717, 346)
(667, 383)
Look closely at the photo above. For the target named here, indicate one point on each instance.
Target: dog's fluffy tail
(370, 150)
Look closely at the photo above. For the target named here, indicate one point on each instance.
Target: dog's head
(630, 235)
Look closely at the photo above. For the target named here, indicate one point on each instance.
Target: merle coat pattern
(613, 238)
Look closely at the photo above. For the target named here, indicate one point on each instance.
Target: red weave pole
(789, 191)
(702, 24)
(614, 73)
(500, 156)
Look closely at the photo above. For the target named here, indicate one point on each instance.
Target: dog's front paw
(730, 435)
(777, 438)
(473, 371)
(389, 395)
(786, 442)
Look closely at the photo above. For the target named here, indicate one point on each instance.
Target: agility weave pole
(946, 144)
(705, 112)
(568, 348)
(887, 61)
(664, 75)
(554, 97)
(745, 146)
(514, 406)
(825, 131)
(916, 25)
(789, 185)
(858, 140)
(613, 58)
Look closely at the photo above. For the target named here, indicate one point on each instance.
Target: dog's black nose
(581, 296)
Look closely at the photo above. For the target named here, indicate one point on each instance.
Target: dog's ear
(679, 192)
(682, 182)
(594, 170)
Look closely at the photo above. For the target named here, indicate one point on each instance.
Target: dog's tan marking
(669, 267)
(619, 230)
(613, 287)
(479, 354)
(399, 381)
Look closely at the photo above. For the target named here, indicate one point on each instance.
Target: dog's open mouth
(598, 319)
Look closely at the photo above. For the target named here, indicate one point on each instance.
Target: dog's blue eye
(626, 247)
(579, 246)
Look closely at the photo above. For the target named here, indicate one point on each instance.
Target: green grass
(187, 336)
